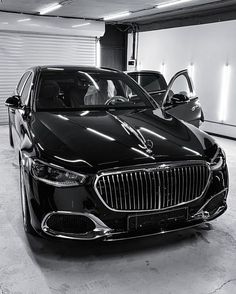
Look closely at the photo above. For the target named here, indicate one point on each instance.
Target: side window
(180, 89)
(150, 82)
(22, 82)
(26, 90)
(181, 86)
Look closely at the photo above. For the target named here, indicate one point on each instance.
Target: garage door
(18, 51)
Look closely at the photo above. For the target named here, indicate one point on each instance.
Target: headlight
(218, 160)
(54, 175)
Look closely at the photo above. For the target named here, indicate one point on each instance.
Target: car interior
(76, 91)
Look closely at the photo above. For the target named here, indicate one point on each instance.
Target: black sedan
(99, 159)
(178, 97)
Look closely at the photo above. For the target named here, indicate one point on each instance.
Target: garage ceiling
(142, 11)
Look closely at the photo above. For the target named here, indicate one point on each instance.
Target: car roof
(51, 67)
(144, 71)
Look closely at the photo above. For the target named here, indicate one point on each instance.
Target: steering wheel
(115, 99)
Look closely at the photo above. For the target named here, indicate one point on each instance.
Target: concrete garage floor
(201, 260)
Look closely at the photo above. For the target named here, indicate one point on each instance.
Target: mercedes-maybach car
(100, 159)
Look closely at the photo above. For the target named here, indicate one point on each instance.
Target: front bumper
(46, 201)
(213, 208)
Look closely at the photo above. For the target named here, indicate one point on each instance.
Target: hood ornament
(146, 145)
(149, 144)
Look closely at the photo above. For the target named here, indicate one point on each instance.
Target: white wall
(209, 47)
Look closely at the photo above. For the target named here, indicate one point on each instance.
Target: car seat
(48, 96)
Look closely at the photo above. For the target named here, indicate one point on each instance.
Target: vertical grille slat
(119, 191)
(150, 190)
(133, 189)
(190, 183)
(155, 194)
(142, 191)
(159, 191)
(110, 192)
(115, 190)
(197, 180)
(154, 189)
(146, 190)
(137, 189)
(129, 192)
(124, 192)
(162, 187)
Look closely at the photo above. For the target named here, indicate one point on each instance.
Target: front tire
(24, 205)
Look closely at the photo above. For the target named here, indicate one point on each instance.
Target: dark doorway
(114, 47)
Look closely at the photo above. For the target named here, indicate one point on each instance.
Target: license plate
(149, 220)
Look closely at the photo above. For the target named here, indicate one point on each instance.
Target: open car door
(181, 101)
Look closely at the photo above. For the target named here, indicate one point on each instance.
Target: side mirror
(179, 99)
(13, 102)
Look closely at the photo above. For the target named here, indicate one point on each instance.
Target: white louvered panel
(19, 51)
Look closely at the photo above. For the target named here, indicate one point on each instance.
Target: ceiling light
(24, 19)
(191, 71)
(50, 8)
(117, 15)
(172, 3)
(5, 23)
(81, 25)
(163, 69)
(55, 68)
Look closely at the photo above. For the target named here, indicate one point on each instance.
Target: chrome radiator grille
(152, 188)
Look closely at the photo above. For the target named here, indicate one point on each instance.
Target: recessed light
(24, 19)
(224, 96)
(171, 3)
(81, 25)
(117, 15)
(50, 8)
(191, 71)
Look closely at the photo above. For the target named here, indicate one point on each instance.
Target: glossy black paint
(50, 131)
(190, 111)
(63, 138)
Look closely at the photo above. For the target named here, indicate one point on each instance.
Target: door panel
(19, 115)
(180, 99)
(190, 112)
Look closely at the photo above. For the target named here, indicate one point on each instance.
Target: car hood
(95, 140)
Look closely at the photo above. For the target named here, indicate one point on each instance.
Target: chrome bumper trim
(201, 213)
(100, 230)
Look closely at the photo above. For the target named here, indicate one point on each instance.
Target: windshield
(71, 90)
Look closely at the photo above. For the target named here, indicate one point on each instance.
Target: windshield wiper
(92, 108)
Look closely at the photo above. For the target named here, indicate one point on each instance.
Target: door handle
(12, 110)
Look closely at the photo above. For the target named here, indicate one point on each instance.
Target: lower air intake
(72, 224)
